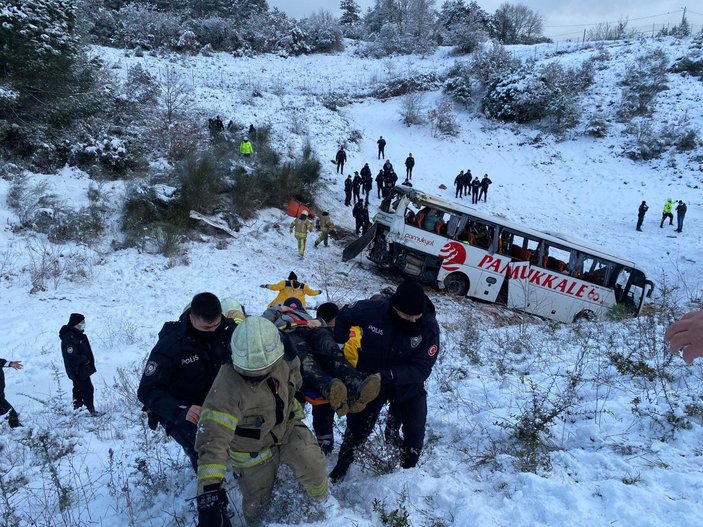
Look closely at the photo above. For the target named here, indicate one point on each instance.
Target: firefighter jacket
(403, 357)
(182, 367)
(301, 227)
(241, 419)
(291, 289)
(326, 223)
(246, 148)
(77, 353)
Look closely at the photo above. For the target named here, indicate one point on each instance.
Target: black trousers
(183, 432)
(340, 167)
(666, 215)
(483, 194)
(408, 416)
(323, 425)
(83, 394)
(640, 219)
(347, 198)
(474, 195)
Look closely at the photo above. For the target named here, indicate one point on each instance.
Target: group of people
(681, 209)
(231, 387)
(302, 226)
(216, 127)
(465, 182)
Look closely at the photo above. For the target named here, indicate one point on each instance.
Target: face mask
(81, 326)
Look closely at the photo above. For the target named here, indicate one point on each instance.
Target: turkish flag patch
(433, 350)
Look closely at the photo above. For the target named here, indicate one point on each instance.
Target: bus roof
(555, 238)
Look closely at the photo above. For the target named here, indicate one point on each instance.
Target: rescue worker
(379, 183)
(245, 147)
(485, 182)
(640, 214)
(475, 185)
(468, 179)
(381, 147)
(348, 187)
(409, 164)
(252, 420)
(182, 367)
(341, 158)
(666, 213)
(358, 213)
(399, 343)
(323, 365)
(365, 219)
(302, 226)
(290, 288)
(325, 226)
(79, 362)
(459, 184)
(681, 209)
(366, 180)
(13, 419)
(356, 186)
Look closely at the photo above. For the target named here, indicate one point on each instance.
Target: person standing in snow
(182, 367)
(366, 180)
(666, 212)
(640, 214)
(687, 335)
(358, 213)
(468, 180)
(409, 164)
(459, 184)
(380, 178)
(290, 288)
(485, 182)
(245, 147)
(399, 343)
(475, 185)
(681, 209)
(348, 188)
(341, 158)
(325, 226)
(79, 361)
(381, 147)
(302, 226)
(252, 421)
(13, 419)
(356, 186)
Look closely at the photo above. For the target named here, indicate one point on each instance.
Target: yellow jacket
(351, 346)
(301, 227)
(291, 289)
(246, 148)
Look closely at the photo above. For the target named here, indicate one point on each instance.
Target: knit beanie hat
(409, 298)
(75, 318)
(292, 276)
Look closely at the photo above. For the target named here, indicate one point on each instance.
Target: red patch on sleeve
(433, 350)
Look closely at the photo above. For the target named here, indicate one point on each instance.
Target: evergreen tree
(463, 25)
(350, 13)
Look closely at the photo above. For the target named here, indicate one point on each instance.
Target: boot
(368, 391)
(337, 396)
(14, 420)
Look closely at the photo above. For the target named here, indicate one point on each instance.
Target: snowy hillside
(530, 423)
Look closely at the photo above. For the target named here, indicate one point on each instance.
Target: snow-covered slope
(613, 460)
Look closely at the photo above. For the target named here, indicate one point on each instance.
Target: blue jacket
(404, 359)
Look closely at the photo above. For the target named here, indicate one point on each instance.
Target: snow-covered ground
(615, 455)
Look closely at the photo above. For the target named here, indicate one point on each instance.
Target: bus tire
(586, 314)
(456, 284)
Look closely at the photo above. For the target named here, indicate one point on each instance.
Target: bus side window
(409, 217)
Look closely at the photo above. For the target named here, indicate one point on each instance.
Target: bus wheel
(456, 284)
(586, 314)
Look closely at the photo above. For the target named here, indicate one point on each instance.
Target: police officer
(252, 420)
(13, 419)
(79, 361)
(182, 367)
(348, 186)
(640, 214)
(341, 158)
(399, 343)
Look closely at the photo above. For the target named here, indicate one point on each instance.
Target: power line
(617, 21)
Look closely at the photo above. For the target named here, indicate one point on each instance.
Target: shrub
(411, 109)
(403, 86)
(443, 120)
(644, 79)
(688, 65)
(200, 181)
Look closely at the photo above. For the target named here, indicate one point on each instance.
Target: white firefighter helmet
(256, 346)
(232, 309)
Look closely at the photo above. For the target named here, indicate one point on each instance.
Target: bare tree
(516, 24)
(175, 95)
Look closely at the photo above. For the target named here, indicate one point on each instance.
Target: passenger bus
(470, 253)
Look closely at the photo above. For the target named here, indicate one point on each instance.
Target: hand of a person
(15, 365)
(687, 334)
(193, 414)
(212, 506)
(314, 323)
(263, 286)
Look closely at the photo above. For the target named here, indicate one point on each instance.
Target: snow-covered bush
(443, 120)
(597, 125)
(113, 154)
(647, 141)
(644, 79)
(187, 41)
(492, 62)
(146, 27)
(417, 82)
(464, 26)
(323, 32)
(141, 86)
(412, 109)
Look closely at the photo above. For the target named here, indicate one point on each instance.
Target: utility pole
(683, 17)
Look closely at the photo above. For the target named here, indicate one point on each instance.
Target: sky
(562, 19)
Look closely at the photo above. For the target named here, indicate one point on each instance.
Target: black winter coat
(410, 162)
(182, 367)
(2, 378)
(404, 359)
(77, 353)
(365, 172)
(341, 156)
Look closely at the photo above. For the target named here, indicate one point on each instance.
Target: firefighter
(325, 226)
(302, 226)
(252, 420)
(290, 288)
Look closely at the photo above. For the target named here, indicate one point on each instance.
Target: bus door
(519, 272)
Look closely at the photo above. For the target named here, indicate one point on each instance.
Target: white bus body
(514, 265)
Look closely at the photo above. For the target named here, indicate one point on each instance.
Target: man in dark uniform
(356, 186)
(380, 179)
(366, 180)
(640, 214)
(409, 164)
(399, 343)
(358, 213)
(182, 367)
(13, 419)
(79, 361)
(348, 186)
(485, 182)
(341, 159)
(475, 185)
(459, 184)
(468, 179)
(381, 147)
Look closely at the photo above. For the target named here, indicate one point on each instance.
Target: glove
(212, 505)
(263, 285)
